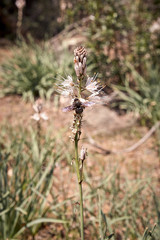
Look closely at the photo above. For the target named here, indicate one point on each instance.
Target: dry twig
(129, 149)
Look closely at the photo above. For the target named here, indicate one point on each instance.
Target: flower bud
(84, 62)
(83, 154)
(80, 54)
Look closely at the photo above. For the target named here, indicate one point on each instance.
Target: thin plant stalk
(20, 4)
(19, 22)
(80, 172)
(81, 210)
(69, 88)
(39, 136)
(38, 116)
(80, 180)
(80, 85)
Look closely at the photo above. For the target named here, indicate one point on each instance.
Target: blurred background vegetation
(123, 41)
(114, 32)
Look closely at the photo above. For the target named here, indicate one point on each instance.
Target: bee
(77, 106)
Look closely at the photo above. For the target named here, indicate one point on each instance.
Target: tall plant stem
(80, 79)
(81, 210)
(80, 185)
(78, 170)
(19, 22)
(39, 136)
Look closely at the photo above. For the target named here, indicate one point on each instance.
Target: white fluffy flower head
(67, 87)
(93, 86)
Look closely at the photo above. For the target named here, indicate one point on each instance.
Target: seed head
(80, 55)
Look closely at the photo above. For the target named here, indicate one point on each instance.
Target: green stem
(19, 22)
(80, 79)
(80, 186)
(39, 136)
(77, 157)
(81, 210)
(4, 227)
(79, 88)
(78, 170)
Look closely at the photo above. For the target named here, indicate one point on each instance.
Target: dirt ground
(110, 131)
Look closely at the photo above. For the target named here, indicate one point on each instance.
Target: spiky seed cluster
(20, 4)
(80, 55)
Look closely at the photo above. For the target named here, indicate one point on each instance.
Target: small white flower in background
(10, 172)
(44, 116)
(38, 106)
(38, 116)
(155, 27)
(20, 3)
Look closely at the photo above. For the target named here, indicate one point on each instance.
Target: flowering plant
(74, 90)
(20, 4)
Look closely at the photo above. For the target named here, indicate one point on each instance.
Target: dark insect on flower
(78, 106)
